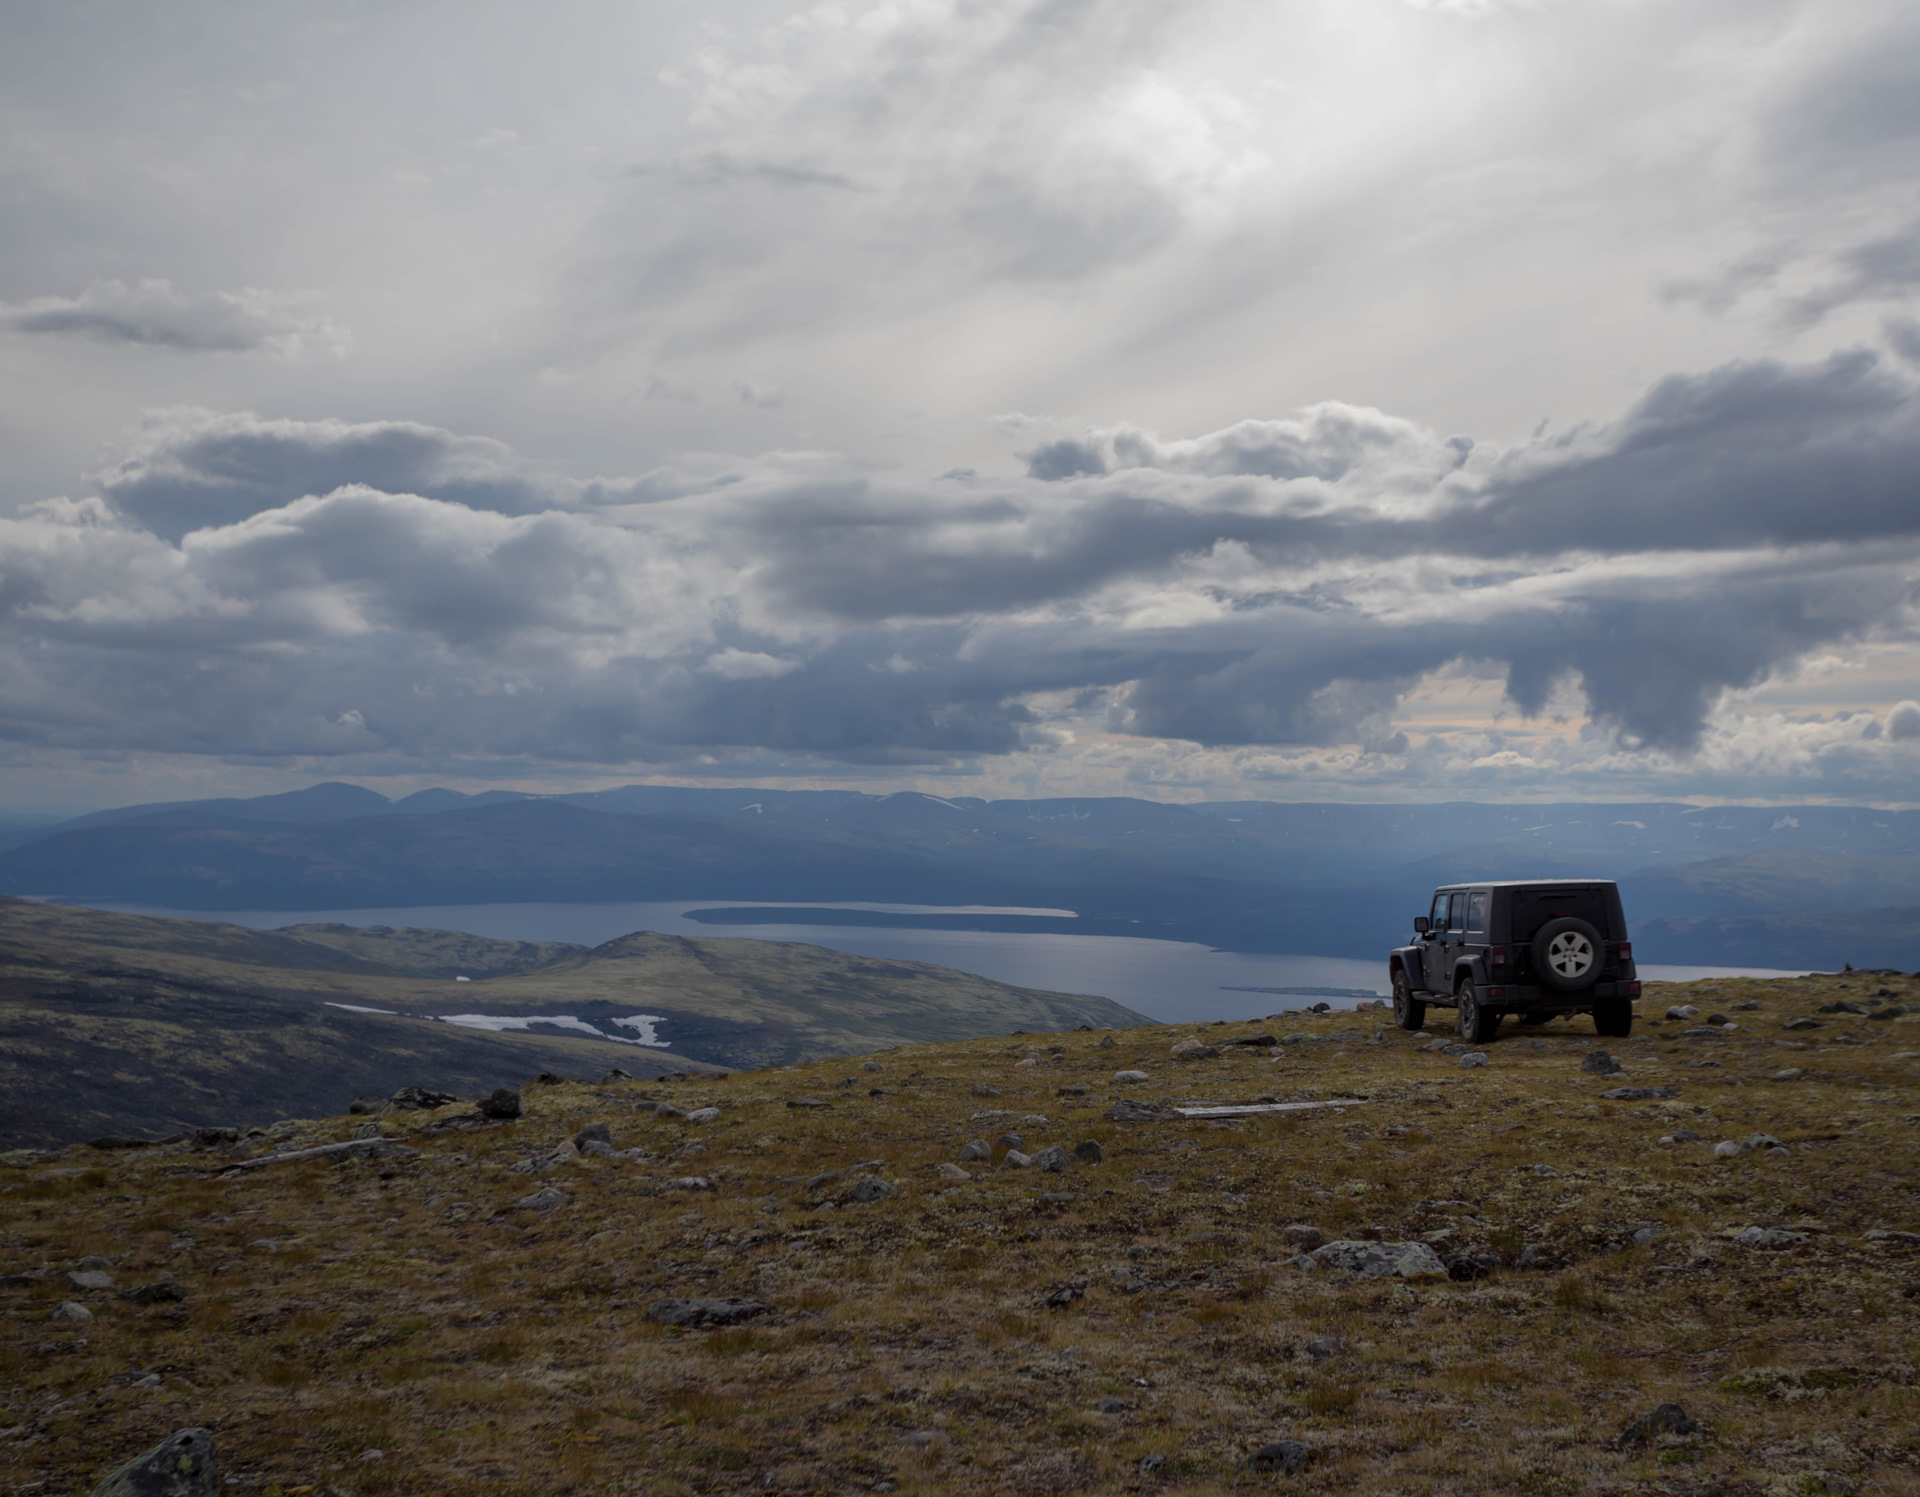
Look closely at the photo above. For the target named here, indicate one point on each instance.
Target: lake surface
(1172, 981)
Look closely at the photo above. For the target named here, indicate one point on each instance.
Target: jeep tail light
(1626, 951)
(1498, 956)
(1633, 990)
(1496, 992)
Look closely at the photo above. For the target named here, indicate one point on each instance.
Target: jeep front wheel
(1408, 1012)
(1476, 1023)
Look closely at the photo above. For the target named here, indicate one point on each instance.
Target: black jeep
(1537, 949)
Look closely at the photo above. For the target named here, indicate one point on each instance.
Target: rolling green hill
(132, 1024)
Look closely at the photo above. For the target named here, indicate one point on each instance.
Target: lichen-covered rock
(1053, 1159)
(698, 1312)
(182, 1465)
(1379, 1260)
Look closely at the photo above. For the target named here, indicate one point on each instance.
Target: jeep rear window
(1533, 908)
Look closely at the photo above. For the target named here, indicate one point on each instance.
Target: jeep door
(1433, 951)
(1455, 943)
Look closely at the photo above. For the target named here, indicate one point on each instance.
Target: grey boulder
(1053, 1159)
(502, 1104)
(181, 1465)
(1379, 1260)
(1599, 1063)
(1285, 1456)
(1668, 1419)
(870, 1188)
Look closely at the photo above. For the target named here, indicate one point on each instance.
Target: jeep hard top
(1539, 949)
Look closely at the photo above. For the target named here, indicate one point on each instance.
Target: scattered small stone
(1052, 1159)
(975, 1152)
(1599, 1063)
(71, 1310)
(544, 1199)
(1299, 1234)
(1130, 1077)
(1687, 1136)
(1088, 1151)
(1639, 1093)
(1010, 1141)
(1474, 1058)
(1729, 1148)
(951, 1172)
(1646, 1236)
(1016, 1160)
(1065, 1295)
(698, 1312)
(1683, 1011)
(373, 1454)
(702, 1115)
(1072, 1089)
(667, 1110)
(1840, 1006)
(91, 1278)
(1285, 1456)
(1770, 1237)
(1787, 1073)
(160, 1292)
(1762, 1141)
(1545, 1169)
(501, 1104)
(1802, 1023)
(870, 1188)
(1668, 1419)
(1195, 1050)
(1779, 1151)
(1452, 1047)
(1720, 1021)
(981, 1089)
(806, 1103)
(592, 1133)
(1126, 1110)
(1322, 1347)
(616, 1074)
(419, 1099)
(1111, 1406)
(182, 1465)
(601, 1149)
(869, 1065)
(1106, 1042)
(688, 1182)
(1748, 1007)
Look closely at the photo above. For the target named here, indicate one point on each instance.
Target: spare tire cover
(1568, 954)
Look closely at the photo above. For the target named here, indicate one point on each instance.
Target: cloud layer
(323, 589)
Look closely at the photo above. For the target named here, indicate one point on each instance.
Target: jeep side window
(1477, 912)
(1457, 914)
(1439, 912)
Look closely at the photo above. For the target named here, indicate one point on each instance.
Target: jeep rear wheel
(1613, 1017)
(1408, 1011)
(1476, 1023)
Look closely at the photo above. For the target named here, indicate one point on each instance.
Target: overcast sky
(1302, 399)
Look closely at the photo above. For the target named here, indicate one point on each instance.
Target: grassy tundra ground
(409, 1306)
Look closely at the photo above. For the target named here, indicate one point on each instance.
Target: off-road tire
(1568, 954)
(1613, 1018)
(1408, 1011)
(1476, 1023)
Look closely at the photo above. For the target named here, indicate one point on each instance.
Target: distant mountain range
(1251, 876)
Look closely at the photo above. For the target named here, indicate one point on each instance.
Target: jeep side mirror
(1421, 925)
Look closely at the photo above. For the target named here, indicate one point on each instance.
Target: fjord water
(1172, 981)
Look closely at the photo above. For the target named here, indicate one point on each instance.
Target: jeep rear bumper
(1504, 995)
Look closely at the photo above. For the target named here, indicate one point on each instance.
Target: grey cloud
(1903, 336)
(1276, 583)
(1903, 723)
(286, 324)
(190, 469)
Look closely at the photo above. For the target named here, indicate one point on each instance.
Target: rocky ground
(1483, 1277)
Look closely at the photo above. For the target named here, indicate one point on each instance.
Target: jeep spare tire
(1567, 954)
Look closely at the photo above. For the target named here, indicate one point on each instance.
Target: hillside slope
(115, 1023)
(481, 1311)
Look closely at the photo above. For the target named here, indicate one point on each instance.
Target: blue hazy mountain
(1330, 879)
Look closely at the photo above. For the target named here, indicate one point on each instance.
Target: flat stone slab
(707, 1311)
(1247, 1109)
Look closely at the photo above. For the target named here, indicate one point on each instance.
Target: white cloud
(287, 325)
